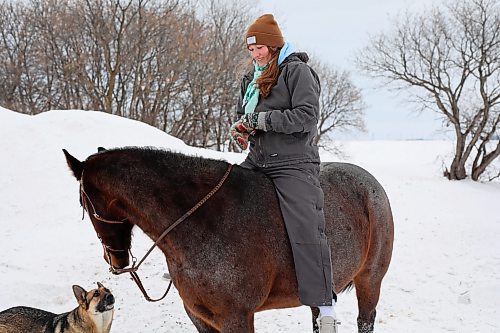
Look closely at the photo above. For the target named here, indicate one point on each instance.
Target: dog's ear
(81, 295)
(100, 285)
(99, 149)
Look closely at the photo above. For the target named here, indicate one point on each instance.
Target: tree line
(174, 64)
(177, 64)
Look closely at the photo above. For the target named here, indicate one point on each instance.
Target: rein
(134, 268)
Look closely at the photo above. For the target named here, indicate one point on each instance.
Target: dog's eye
(96, 293)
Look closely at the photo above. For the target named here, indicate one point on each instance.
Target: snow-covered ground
(444, 276)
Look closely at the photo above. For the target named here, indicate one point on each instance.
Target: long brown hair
(270, 76)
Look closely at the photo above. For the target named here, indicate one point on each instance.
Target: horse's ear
(99, 149)
(75, 165)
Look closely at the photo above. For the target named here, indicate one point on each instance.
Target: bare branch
(452, 56)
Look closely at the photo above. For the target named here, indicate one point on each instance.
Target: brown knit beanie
(265, 31)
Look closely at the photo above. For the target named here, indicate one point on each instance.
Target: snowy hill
(444, 276)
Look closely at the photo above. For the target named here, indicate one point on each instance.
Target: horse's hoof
(365, 327)
(166, 276)
(328, 324)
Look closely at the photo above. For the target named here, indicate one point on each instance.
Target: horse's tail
(381, 227)
(347, 288)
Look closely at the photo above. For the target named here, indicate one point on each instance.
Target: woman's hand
(243, 128)
(239, 135)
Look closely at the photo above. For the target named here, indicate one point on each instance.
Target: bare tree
(56, 55)
(214, 51)
(174, 64)
(341, 104)
(451, 57)
(17, 45)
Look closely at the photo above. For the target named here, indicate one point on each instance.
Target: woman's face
(260, 53)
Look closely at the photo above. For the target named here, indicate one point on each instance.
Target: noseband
(134, 268)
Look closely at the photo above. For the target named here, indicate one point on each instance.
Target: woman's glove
(247, 125)
(238, 136)
(250, 121)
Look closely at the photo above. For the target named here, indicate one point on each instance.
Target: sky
(444, 275)
(333, 31)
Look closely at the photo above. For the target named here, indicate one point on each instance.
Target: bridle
(134, 268)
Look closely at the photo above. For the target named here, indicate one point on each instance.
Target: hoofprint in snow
(444, 275)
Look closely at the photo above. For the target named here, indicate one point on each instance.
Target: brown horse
(231, 257)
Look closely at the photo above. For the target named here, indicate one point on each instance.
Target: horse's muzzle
(117, 259)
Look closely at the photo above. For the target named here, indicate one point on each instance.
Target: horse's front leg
(200, 325)
(238, 322)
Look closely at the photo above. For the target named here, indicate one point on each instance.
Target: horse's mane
(160, 158)
(137, 167)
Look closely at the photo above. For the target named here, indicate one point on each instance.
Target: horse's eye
(96, 293)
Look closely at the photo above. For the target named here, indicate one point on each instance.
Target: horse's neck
(175, 199)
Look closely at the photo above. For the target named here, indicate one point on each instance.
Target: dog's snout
(110, 299)
(106, 303)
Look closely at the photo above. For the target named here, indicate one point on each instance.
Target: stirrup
(328, 324)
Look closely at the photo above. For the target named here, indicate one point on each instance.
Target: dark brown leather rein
(134, 268)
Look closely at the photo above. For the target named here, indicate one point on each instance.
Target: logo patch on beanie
(251, 40)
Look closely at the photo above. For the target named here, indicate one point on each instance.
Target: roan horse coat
(231, 257)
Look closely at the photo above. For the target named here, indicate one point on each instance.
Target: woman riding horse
(279, 109)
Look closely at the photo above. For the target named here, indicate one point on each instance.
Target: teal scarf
(252, 94)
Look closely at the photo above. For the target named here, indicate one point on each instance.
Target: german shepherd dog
(94, 314)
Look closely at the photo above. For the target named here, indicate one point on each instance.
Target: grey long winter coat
(286, 153)
(292, 112)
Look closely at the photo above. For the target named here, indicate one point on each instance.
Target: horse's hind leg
(315, 315)
(367, 292)
(369, 279)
